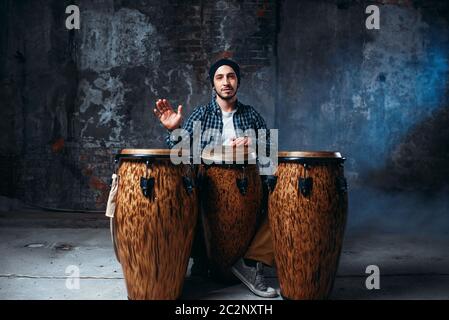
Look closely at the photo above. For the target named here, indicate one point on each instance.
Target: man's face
(225, 82)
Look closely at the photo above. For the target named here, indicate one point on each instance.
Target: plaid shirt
(245, 117)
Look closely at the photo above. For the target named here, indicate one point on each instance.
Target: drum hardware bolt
(271, 181)
(114, 171)
(242, 184)
(342, 185)
(147, 183)
(200, 180)
(188, 181)
(305, 186)
(147, 186)
(306, 167)
(148, 164)
(243, 172)
(305, 183)
(189, 184)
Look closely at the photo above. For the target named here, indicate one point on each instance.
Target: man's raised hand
(167, 116)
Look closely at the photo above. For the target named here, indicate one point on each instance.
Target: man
(230, 118)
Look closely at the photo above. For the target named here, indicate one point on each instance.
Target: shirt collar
(216, 108)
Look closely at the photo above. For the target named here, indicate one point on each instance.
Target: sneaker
(253, 278)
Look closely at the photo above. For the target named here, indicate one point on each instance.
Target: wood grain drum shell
(154, 234)
(229, 217)
(307, 230)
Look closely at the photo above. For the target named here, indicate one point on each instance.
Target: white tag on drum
(110, 208)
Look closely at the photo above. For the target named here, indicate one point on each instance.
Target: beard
(229, 97)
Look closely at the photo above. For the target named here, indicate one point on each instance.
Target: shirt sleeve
(259, 123)
(197, 115)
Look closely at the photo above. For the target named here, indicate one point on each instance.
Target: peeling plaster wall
(39, 80)
(378, 96)
(72, 99)
(360, 91)
(78, 97)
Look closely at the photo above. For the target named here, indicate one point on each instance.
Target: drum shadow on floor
(200, 288)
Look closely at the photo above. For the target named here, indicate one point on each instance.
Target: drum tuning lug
(200, 180)
(305, 186)
(271, 181)
(115, 165)
(147, 186)
(242, 184)
(189, 184)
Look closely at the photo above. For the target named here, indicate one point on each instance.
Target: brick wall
(83, 95)
(71, 99)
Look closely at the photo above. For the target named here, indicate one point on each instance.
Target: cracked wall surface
(72, 99)
(75, 98)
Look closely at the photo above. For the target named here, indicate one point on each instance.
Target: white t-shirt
(228, 127)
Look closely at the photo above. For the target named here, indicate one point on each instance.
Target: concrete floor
(36, 248)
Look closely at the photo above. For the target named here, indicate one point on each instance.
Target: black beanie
(224, 62)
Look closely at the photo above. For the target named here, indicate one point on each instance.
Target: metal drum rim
(310, 156)
(143, 154)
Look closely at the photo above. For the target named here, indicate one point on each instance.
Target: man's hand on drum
(242, 141)
(167, 116)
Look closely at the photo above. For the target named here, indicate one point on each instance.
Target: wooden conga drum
(154, 222)
(307, 211)
(231, 199)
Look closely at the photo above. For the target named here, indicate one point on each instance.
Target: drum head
(228, 154)
(143, 153)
